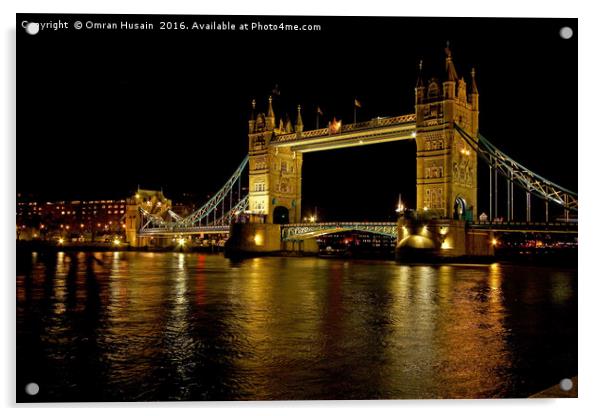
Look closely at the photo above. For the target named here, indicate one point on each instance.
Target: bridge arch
(460, 207)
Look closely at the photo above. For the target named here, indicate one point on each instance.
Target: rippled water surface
(174, 326)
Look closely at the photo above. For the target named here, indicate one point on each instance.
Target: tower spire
(473, 86)
(419, 82)
(270, 119)
(452, 75)
(270, 108)
(474, 92)
(252, 117)
(299, 123)
(419, 90)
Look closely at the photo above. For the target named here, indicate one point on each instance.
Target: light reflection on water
(175, 326)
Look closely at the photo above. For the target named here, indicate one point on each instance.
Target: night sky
(101, 112)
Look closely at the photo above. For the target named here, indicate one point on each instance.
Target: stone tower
(274, 172)
(446, 166)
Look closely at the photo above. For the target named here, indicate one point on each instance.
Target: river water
(121, 326)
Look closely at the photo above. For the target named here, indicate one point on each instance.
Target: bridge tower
(151, 201)
(446, 166)
(274, 172)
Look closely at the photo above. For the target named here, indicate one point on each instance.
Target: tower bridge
(445, 128)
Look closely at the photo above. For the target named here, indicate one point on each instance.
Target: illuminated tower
(446, 166)
(274, 172)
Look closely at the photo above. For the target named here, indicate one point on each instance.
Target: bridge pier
(253, 238)
(305, 246)
(420, 239)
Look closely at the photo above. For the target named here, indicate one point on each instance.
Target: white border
(590, 137)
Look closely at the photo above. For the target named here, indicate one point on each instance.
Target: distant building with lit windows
(80, 220)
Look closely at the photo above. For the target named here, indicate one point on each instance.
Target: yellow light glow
(444, 230)
(258, 239)
(494, 242)
(312, 219)
(181, 241)
(446, 244)
(61, 240)
(137, 195)
(116, 242)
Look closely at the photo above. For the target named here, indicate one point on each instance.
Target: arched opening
(281, 215)
(459, 208)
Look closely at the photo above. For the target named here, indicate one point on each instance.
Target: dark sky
(102, 112)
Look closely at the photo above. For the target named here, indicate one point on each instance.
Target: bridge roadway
(303, 231)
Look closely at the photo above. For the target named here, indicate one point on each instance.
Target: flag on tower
(319, 111)
(356, 105)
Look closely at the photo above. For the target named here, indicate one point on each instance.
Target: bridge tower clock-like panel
(446, 166)
(274, 172)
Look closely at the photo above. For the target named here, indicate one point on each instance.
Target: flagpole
(354, 111)
(317, 118)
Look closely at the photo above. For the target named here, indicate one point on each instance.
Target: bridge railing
(185, 230)
(336, 223)
(300, 230)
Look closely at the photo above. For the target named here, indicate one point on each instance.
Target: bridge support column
(253, 239)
